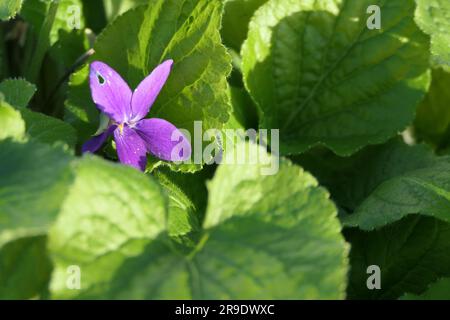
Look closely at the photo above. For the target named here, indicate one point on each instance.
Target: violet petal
(110, 92)
(164, 140)
(147, 91)
(94, 143)
(131, 149)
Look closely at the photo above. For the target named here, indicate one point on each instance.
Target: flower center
(120, 126)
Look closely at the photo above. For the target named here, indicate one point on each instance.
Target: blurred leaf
(47, 129)
(9, 8)
(35, 179)
(244, 110)
(17, 92)
(439, 290)
(110, 214)
(4, 63)
(114, 8)
(94, 13)
(25, 268)
(251, 247)
(433, 17)
(411, 254)
(69, 16)
(432, 122)
(11, 122)
(186, 31)
(321, 76)
(236, 17)
(43, 43)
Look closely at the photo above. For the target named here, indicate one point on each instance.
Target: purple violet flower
(134, 135)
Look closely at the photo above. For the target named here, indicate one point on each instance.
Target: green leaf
(187, 198)
(25, 268)
(39, 126)
(186, 31)
(403, 180)
(17, 92)
(35, 179)
(411, 254)
(440, 290)
(321, 76)
(250, 247)
(433, 16)
(244, 110)
(109, 215)
(11, 122)
(47, 129)
(43, 43)
(382, 184)
(9, 8)
(432, 122)
(115, 8)
(68, 17)
(236, 17)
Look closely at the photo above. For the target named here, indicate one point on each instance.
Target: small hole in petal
(100, 79)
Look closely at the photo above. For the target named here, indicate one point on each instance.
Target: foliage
(362, 165)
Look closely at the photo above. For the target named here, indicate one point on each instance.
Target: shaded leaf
(382, 184)
(35, 179)
(440, 290)
(17, 92)
(25, 268)
(432, 122)
(411, 254)
(236, 17)
(322, 77)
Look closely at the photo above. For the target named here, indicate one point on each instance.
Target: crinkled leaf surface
(433, 17)
(411, 254)
(321, 76)
(250, 246)
(110, 214)
(186, 31)
(34, 181)
(17, 92)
